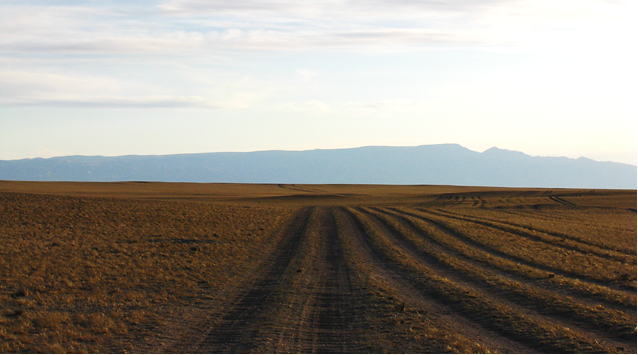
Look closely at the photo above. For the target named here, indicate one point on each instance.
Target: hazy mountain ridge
(443, 164)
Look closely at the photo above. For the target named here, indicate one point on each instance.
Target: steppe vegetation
(97, 275)
(152, 267)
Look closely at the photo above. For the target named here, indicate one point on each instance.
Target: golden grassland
(94, 275)
(106, 267)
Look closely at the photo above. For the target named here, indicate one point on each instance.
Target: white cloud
(19, 88)
(307, 74)
(347, 108)
(25, 84)
(109, 101)
(113, 101)
(208, 26)
(377, 105)
(313, 107)
(300, 8)
(211, 32)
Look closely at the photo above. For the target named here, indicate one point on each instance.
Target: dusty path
(235, 331)
(300, 301)
(319, 317)
(330, 320)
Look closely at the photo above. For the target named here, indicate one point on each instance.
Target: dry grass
(477, 305)
(391, 321)
(542, 250)
(103, 267)
(87, 274)
(543, 300)
(459, 244)
(607, 228)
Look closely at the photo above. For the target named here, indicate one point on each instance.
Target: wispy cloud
(308, 9)
(347, 108)
(208, 26)
(377, 105)
(313, 107)
(20, 88)
(110, 33)
(111, 101)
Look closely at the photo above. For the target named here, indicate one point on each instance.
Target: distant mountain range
(442, 164)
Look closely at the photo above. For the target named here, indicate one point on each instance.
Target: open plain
(249, 268)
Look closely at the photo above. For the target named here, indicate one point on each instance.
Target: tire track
(389, 273)
(294, 187)
(333, 316)
(588, 293)
(559, 309)
(474, 244)
(585, 248)
(520, 198)
(233, 332)
(477, 202)
(323, 296)
(547, 213)
(445, 200)
(561, 201)
(506, 319)
(555, 216)
(513, 226)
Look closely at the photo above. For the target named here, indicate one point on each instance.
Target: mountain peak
(498, 152)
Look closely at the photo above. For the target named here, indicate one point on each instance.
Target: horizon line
(310, 150)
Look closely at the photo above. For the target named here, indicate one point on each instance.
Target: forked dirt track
(338, 267)
(519, 300)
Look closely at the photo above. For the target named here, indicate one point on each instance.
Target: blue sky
(549, 78)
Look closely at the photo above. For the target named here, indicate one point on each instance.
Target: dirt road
(357, 280)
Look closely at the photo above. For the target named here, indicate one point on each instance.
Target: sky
(545, 77)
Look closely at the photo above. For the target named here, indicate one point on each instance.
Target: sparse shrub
(52, 320)
(137, 317)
